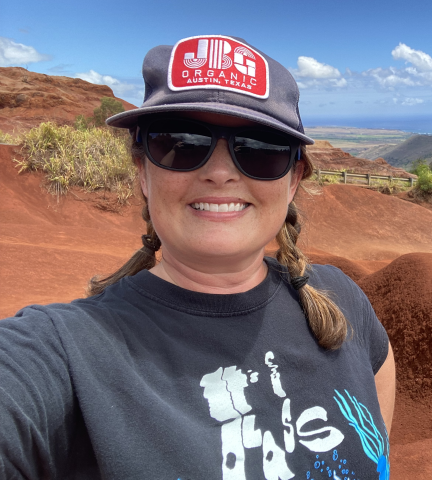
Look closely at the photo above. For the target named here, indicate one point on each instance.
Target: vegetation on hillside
(94, 159)
(88, 154)
(423, 170)
(108, 107)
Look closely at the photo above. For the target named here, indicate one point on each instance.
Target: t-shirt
(151, 381)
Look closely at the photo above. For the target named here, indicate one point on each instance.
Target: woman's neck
(201, 276)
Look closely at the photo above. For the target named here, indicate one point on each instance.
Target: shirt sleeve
(36, 397)
(364, 324)
(374, 334)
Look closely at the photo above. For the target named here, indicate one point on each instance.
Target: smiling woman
(214, 362)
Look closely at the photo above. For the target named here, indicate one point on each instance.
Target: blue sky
(357, 63)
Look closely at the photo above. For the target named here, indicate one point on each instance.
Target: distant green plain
(356, 140)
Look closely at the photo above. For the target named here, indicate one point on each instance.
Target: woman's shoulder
(330, 277)
(84, 311)
(340, 288)
(323, 277)
(366, 327)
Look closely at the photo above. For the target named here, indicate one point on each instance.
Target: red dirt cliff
(29, 98)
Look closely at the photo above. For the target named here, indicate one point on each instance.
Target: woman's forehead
(218, 119)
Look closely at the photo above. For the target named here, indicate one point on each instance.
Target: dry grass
(7, 138)
(95, 159)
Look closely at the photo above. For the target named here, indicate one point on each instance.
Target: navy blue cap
(218, 74)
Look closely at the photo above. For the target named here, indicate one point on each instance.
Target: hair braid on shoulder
(326, 321)
(142, 259)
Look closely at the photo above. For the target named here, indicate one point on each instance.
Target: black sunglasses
(184, 145)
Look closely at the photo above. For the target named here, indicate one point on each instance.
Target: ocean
(418, 124)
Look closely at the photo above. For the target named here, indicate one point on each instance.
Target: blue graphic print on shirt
(374, 445)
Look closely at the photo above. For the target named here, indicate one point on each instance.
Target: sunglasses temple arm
(138, 137)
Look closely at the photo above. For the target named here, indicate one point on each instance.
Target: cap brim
(130, 118)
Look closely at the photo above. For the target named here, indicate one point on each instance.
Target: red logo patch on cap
(215, 61)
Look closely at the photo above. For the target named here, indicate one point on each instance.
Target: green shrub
(92, 159)
(109, 106)
(418, 165)
(424, 179)
(424, 176)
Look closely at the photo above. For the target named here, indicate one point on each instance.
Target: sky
(365, 64)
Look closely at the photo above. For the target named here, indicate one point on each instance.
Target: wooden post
(344, 175)
(411, 181)
(319, 174)
(369, 178)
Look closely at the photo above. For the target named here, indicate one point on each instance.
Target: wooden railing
(367, 176)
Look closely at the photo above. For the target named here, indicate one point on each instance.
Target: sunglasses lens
(178, 144)
(263, 154)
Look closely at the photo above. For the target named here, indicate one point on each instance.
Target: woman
(215, 362)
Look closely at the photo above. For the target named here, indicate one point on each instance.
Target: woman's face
(202, 236)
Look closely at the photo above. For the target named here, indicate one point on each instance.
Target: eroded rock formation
(29, 98)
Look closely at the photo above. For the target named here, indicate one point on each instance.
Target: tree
(109, 106)
(424, 176)
(418, 166)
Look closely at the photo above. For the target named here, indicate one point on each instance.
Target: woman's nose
(220, 167)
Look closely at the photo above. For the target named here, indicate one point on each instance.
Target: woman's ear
(142, 175)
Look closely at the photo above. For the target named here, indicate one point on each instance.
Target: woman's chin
(221, 252)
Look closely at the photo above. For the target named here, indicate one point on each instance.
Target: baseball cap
(217, 74)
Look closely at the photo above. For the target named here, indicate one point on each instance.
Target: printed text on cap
(218, 62)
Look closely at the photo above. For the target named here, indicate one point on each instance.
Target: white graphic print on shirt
(224, 391)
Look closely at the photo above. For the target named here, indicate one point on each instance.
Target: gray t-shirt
(151, 381)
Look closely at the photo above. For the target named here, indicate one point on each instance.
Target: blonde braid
(142, 259)
(326, 320)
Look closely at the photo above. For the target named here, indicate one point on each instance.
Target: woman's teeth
(219, 207)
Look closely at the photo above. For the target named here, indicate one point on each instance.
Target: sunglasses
(184, 145)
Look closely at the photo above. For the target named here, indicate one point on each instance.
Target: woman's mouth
(219, 207)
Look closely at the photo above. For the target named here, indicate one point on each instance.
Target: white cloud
(412, 101)
(421, 60)
(393, 78)
(94, 77)
(314, 74)
(121, 89)
(308, 67)
(398, 99)
(390, 77)
(322, 83)
(12, 53)
(414, 77)
(339, 83)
